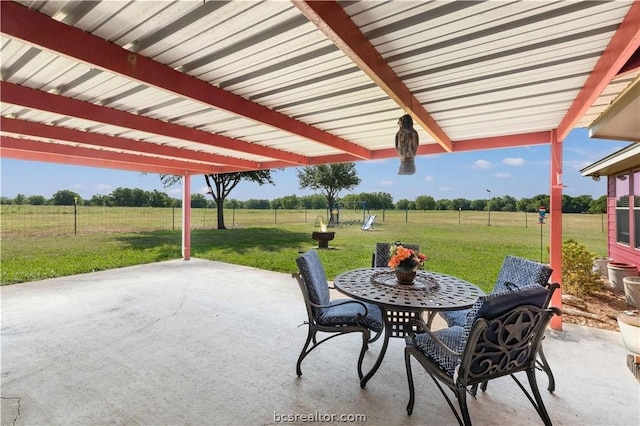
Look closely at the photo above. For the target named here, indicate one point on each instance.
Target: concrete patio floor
(207, 343)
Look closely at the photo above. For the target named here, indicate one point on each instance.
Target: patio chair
(516, 272)
(339, 316)
(380, 258)
(500, 337)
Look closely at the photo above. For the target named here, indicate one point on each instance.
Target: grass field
(458, 243)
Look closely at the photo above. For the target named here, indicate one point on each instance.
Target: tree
(221, 184)
(509, 204)
(65, 198)
(122, 197)
(20, 199)
(255, 204)
(478, 205)
(159, 199)
(198, 201)
(315, 201)
(101, 200)
(425, 202)
(445, 204)
(287, 202)
(461, 203)
(329, 179)
(37, 200)
(599, 205)
(233, 204)
(405, 204)
(139, 198)
(376, 200)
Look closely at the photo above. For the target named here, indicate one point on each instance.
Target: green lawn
(454, 245)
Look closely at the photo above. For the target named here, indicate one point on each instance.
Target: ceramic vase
(405, 276)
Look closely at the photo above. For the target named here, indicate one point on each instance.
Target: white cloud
(445, 189)
(510, 161)
(386, 183)
(428, 178)
(502, 175)
(576, 165)
(102, 187)
(482, 164)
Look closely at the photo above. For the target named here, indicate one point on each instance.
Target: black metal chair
(339, 316)
(380, 258)
(501, 337)
(515, 273)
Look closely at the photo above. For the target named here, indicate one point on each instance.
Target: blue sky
(519, 172)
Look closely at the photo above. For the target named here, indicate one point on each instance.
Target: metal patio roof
(194, 87)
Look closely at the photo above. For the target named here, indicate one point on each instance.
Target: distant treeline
(126, 197)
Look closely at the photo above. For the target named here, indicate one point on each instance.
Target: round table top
(430, 291)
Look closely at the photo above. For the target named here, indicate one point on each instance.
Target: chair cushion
(314, 277)
(535, 295)
(351, 314)
(455, 317)
(515, 273)
(449, 336)
(489, 306)
(521, 272)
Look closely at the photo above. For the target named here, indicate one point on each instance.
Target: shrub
(578, 276)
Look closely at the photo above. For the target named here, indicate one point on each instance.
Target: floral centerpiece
(405, 259)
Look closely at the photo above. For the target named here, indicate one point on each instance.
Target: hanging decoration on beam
(406, 145)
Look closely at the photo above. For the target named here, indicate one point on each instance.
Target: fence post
(406, 214)
(75, 215)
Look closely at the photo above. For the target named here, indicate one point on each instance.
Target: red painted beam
(86, 162)
(334, 22)
(99, 140)
(525, 139)
(19, 22)
(37, 99)
(36, 151)
(623, 44)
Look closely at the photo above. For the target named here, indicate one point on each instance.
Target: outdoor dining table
(431, 292)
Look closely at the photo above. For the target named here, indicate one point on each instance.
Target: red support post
(555, 225)
(186, 216)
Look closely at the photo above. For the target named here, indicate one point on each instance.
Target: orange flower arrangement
(405, 258)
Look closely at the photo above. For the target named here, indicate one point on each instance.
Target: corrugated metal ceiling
(232, 86)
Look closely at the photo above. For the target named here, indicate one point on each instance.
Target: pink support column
(186, 216)
(555, 225)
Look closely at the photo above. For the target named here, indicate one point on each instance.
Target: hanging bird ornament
(406, 145)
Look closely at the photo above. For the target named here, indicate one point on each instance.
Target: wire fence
(25, 221)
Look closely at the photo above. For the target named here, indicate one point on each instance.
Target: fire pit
(323, 238)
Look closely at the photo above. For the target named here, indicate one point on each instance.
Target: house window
(622, 208)
(636, 207)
